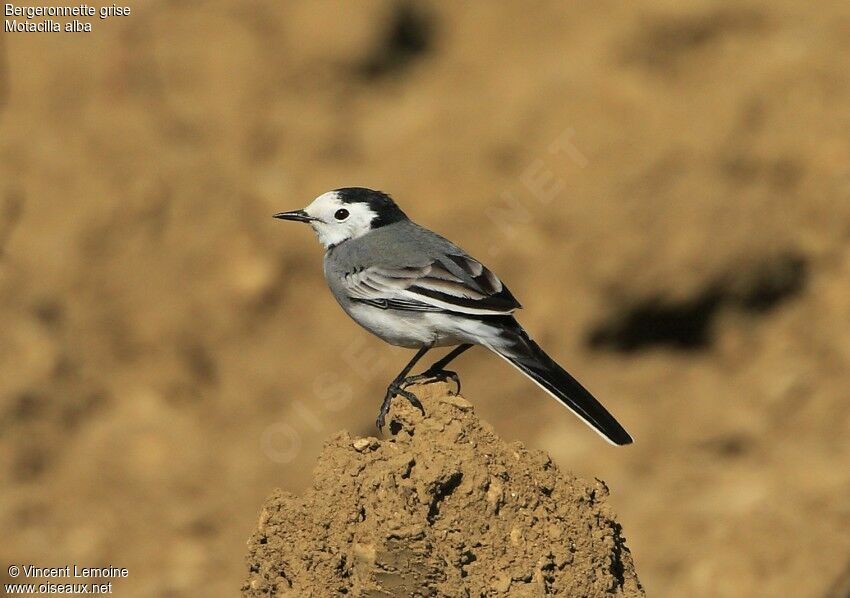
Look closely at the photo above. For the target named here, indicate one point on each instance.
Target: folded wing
(452, 283)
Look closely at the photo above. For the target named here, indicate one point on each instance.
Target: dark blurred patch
(49, 312)
(29, 464)
(688, 324)
(782, 173)
(38, 422)
(505, 157)
(82, 406)
(729, 446)
(202, 527)
(11, 210)
(683, 325)
(199, 373)
(664, 40)
(770, 283)
(408, 35)
(199, 361)
(27, 407)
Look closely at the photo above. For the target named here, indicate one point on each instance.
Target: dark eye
(341, 214)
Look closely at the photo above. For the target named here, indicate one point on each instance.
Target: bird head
(347, 213)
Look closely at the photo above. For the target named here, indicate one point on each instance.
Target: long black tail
(515, 346)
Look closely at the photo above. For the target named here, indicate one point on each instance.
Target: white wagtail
(413, 288)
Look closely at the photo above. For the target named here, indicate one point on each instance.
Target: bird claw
(396, 389)
(434, 376)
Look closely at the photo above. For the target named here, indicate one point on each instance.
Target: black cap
(379, 202)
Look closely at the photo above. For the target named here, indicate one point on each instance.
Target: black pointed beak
(296, 215)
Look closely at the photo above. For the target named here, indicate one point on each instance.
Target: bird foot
(396, 389)
(434, 376)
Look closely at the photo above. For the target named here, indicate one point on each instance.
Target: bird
(416, 289)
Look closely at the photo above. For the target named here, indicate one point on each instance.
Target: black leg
(454, 354)
(419, 355)
(395, 389)
(437, 370)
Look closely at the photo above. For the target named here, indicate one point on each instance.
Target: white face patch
(337, 221)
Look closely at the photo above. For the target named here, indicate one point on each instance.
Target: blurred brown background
(665, 186)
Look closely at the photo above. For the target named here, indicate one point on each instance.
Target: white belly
(416, 329)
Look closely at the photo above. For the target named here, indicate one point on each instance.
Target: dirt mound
(442, 508)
